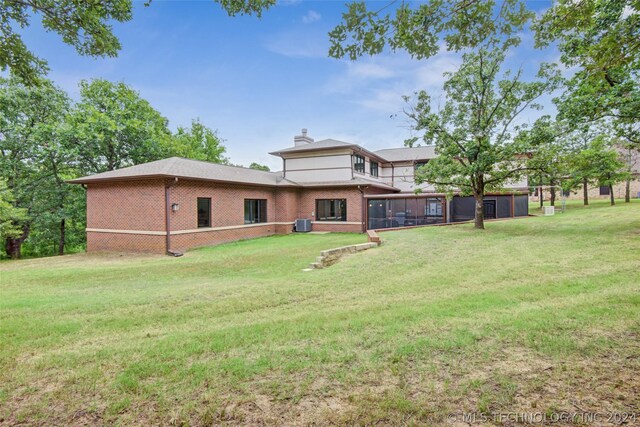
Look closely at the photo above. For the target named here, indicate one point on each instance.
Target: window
(331, 210)
(358, 163)
(418, 165)
(374, 168)
(255, 211)
(604, 190)
(204, 212)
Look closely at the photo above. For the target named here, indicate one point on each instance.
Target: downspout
(167, 214)
(352, 166)
(363, 210)
(393, 175)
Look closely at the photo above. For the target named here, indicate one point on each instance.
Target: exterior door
(489, 207)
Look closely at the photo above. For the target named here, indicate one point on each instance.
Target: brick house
(176, 204)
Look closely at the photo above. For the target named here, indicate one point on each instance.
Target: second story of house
(333, 162)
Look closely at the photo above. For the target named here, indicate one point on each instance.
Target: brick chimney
(302, 139)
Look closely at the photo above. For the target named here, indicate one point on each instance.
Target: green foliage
(598, 163)
(259, 167)
(474, 132)
(85, 25)
(549, 153)
(113, 127)
(417, 27)
(198, 143)
(45, 140)
(35, 160)
(600, 38)
(10, 216)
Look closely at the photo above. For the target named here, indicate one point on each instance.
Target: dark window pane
(204, 212)
(374, 168)
(604, 190)
(358, 163)
(331, 210)
(255, 211)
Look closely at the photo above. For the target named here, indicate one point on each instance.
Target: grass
(532, 315)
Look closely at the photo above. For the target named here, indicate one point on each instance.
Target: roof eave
(189, 178)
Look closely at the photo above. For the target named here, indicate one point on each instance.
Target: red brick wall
(115, 242)
(354, 208)
(140, 206)
(227, 203)
(132, 205)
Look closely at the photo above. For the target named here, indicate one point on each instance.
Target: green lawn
(532, 315)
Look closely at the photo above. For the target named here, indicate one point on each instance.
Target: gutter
(167, 213)
(363, 207)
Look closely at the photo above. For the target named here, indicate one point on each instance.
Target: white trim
(107, 230)
(229, 227)
(175, 232)
(337, 222)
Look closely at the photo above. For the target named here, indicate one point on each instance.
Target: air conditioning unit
(303, 225)
(549, 210)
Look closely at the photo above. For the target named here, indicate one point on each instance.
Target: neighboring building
(630, 157)
(176, 204)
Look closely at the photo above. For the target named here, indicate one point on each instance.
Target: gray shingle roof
(408, 153)
(197, 169)
(194, 169)
(318, 145)
(348, 183)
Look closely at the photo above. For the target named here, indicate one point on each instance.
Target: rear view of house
(176, 204)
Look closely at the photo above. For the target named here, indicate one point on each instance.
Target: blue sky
(259, 81)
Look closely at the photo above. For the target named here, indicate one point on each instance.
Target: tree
(474, 131)
(259, 167)
(197, 142)
(112, 127)
(602, 40)
(631, 158)
(85, 25)
(10, 216)
(418, 27)
(548, 164)
(599, 163)
(30, 126)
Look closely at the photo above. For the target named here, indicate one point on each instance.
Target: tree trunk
(479, 215)
(585, 192)
(62, 237)
(553, 194)
(627, 191)
(13, 245)
(541, 197)
(613, 199)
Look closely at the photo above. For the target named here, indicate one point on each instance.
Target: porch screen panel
(522, 205)
(503, 210)
(377, 214)
(434, 210)
(412, 212)
(462, 208)
(421, 211)
(398, 212)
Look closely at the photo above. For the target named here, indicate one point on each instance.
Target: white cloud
(379, 83)
(297, 44)
(311, 16)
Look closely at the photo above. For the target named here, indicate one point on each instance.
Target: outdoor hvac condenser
(303, 225)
